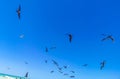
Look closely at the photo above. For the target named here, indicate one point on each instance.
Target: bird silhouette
(26, 62)
(65, 67)
(85, 65)
(46, 61)
(26, 75)
(51, 71)
(70, 37)
(72, 71)
(102, 64)
(108, 37)
(59, 68)
(72, 76)
(60, 71)
(65, 74)
(46, 49)
(54, 62)
(19, 11)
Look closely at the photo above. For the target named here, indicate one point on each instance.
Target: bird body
(19, 11)
(102, 65)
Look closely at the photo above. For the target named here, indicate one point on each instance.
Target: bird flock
(71, 73)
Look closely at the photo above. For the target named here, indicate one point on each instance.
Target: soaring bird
(54, 62)
(51, 71)
(108, 37)
(65, 74)
(46, 49)
(70, 37)
(65, 67)
(85, 65)
(19, 11)
(102, 64)
(72, 76)
(72, 71)
(59, 68)
(46, 61)
(26, 75)
(26, 62)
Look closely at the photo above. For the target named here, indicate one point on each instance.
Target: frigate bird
(19, 11)
(72, 76)
(85, 65)
(51, 71)
(70, 37)
(26, 62)
(46, 61)
(65, 74)
(108, 37)
(60, 71)
(26, 75)
(54, 62)
(72, 71)
(60, 68)
(46, 49)
(65, 67)
(102, 64)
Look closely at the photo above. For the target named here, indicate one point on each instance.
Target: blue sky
(44, 23)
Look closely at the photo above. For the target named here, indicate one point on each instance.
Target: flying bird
(26, 62)
(110, 37)
(46, 49)
(19, 11)
(61, 72)
(72, 71)
(46, 61)
(59, 68)
(65, 67)
(70, 37)
(72, 76)
(26, 75)
(102, 64)
(66, 74)
(85, 65)
(51, 71)
(54, 62)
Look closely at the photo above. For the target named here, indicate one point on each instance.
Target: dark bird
(19, 11)
(85, 65)
(26, 75)
(26, 62)
(59, 68)
(65, 74)
(102, 64)
(46, 61)
(72, 76)
(60, 71)
(108, 37)
(70, 37)
(65, 67)
(46, 49)
(54, 62)
(51, 71)
(72, 71)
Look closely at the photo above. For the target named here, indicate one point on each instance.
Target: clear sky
(44, 23)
